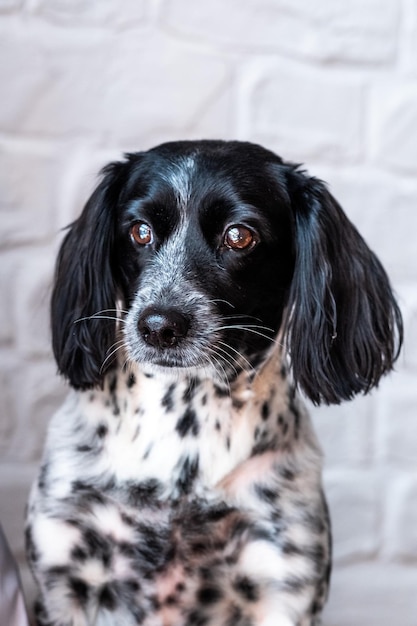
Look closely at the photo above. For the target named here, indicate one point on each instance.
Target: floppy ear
(84, 286)
(344, 327)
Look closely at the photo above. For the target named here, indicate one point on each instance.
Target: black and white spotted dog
(181, 481)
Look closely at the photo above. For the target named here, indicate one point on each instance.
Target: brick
(9, 411)
(43, 392)
(28, 179)
(33, 289)
(22, 70)
(344, 432)
(8, 6)
(358, 31)
(8, 264)
(93, 12)
(400, 536)
(121, 90)
(396, 435)
(305, 113)
(408, 302)
(393, 123)
(15, 481)
(30, 589)
(410, 37)
(354, 502)
(80, 177)
(374, 594)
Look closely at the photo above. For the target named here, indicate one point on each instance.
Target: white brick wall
(332, 83)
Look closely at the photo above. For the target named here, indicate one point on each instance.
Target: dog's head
(206, 251)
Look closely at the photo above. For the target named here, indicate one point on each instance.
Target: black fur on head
(310, 275)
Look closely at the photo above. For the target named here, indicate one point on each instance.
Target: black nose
(162, 328)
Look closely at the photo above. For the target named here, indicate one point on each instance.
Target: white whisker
(250, 328)
(114, 348)
(229, 347)
(217, 351)
(100, 317)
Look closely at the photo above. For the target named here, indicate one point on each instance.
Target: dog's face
(210, 249)
(205, 256)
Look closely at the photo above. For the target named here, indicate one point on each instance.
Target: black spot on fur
(147, 451)
(102, 431)
(113, 384)
(264, 444)
(190, 390)
(287, 474)
(221, 392)
(113, 395)
(266, 494)
(218, 512)
(79, 590)
(209, 595)
(265, 411)
(108, 597)
(237, 404)
(131, 381)
(295, 411)
(168, 399)
(43, 477)
(145, 493)
(86, 494)
(31, 550)
(97, 546)
(199, 547)
(171, 600)
(79, 554)
(188, 423)
(247, 588)
(283, 424)
(188, 474)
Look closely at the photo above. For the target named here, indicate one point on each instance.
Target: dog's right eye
(141, 233)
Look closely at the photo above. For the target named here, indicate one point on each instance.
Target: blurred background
(330, 83)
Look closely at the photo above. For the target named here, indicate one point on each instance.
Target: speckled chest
(188, 435)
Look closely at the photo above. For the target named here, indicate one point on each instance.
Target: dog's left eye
(141, 233)
(239, 237)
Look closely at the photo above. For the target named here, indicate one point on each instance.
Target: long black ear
(344, 328)
(84, 286)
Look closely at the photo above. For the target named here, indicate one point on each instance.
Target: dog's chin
(177, 366)
(177, 372)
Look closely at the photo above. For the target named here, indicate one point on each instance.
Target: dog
(205, 284)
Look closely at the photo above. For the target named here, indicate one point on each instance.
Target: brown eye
(239, 238)
(141, 233)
